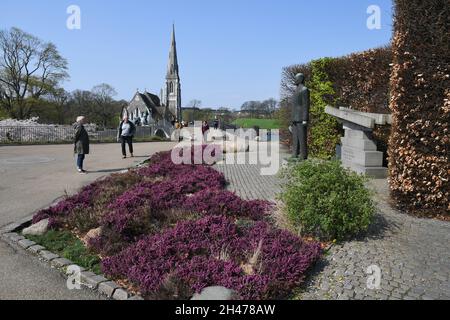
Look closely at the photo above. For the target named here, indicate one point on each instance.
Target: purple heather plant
(211, 201)
(192, 251)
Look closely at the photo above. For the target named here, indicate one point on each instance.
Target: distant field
(262, 123)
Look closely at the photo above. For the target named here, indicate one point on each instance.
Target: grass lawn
(65, 244)
(262, 123)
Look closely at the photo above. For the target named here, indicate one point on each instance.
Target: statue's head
(299, 78)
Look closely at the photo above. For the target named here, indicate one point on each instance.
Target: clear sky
(229, 51)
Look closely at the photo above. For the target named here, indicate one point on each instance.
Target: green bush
(323, 199)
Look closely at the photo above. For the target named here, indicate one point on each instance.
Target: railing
(60, 134)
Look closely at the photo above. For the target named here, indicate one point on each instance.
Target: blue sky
(229, 51)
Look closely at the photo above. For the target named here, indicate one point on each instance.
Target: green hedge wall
(419, 148)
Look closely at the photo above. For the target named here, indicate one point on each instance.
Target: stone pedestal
(359, 153)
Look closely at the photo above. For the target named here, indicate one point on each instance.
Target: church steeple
(173, 86)
(172, 67)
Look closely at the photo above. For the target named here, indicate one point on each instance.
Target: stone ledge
(36, 249)
(91, 279)
(25, 243)
(47, 255)
(61, 262)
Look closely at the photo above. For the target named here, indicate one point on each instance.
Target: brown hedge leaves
(419, 148)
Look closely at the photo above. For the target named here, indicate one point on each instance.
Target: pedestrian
(125, 134)
(216, 123)
(205, 129)
(81, 141)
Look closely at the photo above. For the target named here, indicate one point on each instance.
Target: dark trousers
(129, 141)
(299, 140)
(80, 160)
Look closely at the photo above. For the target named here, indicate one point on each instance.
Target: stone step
(372, 172)
(361, 144)
(361, 157)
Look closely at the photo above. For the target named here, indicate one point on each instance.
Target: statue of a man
(300, 118)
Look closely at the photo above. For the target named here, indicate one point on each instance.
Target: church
(147, 109)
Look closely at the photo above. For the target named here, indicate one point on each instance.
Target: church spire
(173, 85)
(172, 68)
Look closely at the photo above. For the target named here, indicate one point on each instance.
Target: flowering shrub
(214, 251)
(222, 202)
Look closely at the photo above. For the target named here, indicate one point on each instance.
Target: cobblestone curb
(88, 279)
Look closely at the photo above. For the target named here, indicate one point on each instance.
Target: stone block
(37, 229)
(372, 172)
(25, 243)
(108, 288)
(120, 294)
(14, 237)
(47, 255)
(61, 262)
(362, 158)
(36, 249)
(356, 134)
(215, 293)
(360, 144)
(91, 280)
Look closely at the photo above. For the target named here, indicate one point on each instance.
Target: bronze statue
(300, 118)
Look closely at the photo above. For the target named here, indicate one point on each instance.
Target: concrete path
(32, 177)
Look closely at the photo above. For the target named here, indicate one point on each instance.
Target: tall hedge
(419, 149)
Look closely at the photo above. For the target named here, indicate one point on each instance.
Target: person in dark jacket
(81, 143)
(205, 129)
(125, 134)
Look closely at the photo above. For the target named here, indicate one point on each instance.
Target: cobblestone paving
(413, 254)
(247, 182)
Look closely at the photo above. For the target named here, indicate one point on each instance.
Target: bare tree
(194, 103)
(29, 68)
(103, 96)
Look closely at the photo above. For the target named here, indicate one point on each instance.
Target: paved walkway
(32, 177)
(413, 254)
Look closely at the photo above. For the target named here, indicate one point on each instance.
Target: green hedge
(323, 131)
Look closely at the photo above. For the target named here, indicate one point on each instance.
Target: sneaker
(132, 156)
(81, 171)
(124, 157)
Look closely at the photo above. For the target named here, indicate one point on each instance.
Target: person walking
(205, 129)
(125, 134)
(81, 143)
(216, 123)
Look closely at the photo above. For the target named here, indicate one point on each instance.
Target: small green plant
(323, 199)
(70, 247)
